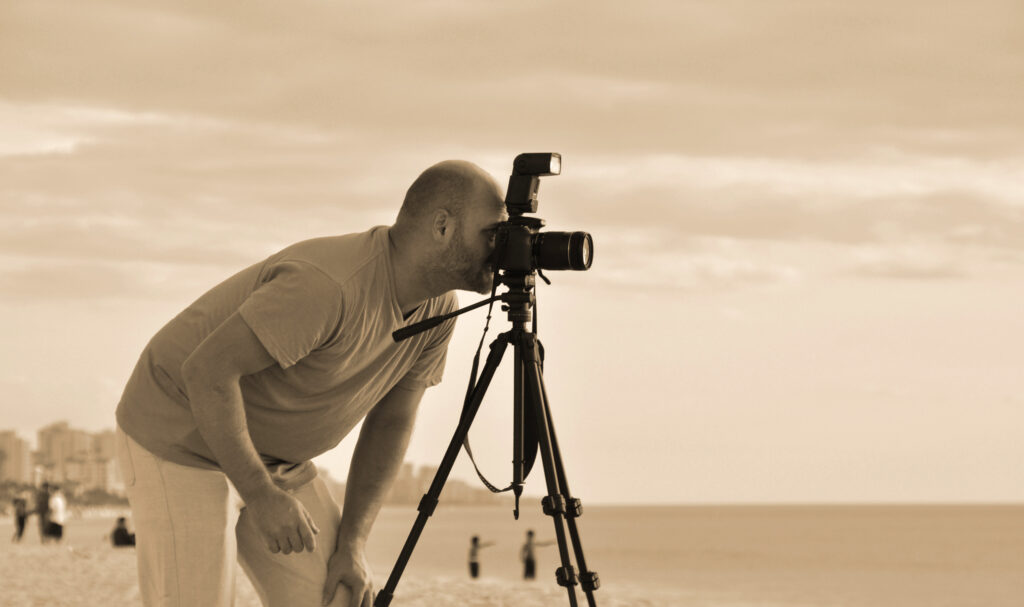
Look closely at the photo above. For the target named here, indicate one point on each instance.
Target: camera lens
(563, 250)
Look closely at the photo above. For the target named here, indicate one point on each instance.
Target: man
(274, 366)
(42, 503)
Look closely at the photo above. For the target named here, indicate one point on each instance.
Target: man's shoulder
(339, 257)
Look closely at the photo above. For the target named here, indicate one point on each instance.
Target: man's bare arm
(375, 464)
(211, 374)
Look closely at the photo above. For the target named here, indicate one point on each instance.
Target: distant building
(59, 444)
(405, 490)
(94, 473)
(87, 460)
(16, 461)
(412, 484)
(104, 444)
(425, 477)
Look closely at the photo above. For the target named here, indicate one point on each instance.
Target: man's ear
(442, 225)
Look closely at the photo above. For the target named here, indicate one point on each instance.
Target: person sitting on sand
(474, 555)
(528, 556)
(120, 536)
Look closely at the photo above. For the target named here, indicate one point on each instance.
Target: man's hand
(348, 567)
(283, 522)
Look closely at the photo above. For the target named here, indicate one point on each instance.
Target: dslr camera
(520, 247)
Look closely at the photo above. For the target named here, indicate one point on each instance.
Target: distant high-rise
(16, 458)
(88, 460)
(425, 477)
(105, 444)
(58, 444)
(405, 489)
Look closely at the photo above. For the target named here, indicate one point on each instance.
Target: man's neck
(412, 283)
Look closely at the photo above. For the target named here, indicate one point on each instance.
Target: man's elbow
(392, 420)
(193, 372)
(200, 375)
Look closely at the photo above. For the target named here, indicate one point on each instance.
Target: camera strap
(530, 440)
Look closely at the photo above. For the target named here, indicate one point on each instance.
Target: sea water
(691, 556)
(844, 556)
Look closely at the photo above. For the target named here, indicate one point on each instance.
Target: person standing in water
(474, 555)
(529, 557)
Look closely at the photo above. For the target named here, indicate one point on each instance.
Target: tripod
(530, 406)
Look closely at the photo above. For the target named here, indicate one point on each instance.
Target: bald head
(445, 232)
(451, 185)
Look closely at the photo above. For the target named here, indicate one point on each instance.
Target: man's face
(473, 242)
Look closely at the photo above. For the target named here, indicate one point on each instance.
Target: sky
(808, 218)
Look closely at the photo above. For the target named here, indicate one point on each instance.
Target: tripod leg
(554, 503)
(588, 579)
(429, 501)
(559, 502)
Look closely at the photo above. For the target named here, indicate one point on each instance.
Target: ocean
(664, 556)
(842, 556)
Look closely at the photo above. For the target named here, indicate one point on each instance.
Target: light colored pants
(191, 527)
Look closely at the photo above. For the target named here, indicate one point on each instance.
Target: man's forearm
(220, 418)
(375, 464)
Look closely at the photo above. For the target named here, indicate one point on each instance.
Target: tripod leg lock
(566, 576)
(558, 504)
(427, 505)
(553, 504)
(589, 581)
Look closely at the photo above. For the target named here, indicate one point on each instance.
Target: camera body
(520, 247)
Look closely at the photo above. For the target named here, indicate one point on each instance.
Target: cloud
(906, 262)
(196, 191)
(656, 76)
(78, 281)
(201, 134)
(845, 201)
(887, 175)
(656, 259)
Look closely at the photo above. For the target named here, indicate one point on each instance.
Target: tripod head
(518, 301)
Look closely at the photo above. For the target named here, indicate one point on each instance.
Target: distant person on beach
(58, 514)
(20, 516)
(232, 398)
(529, 557)
(474, 555)
(120, 536)
(42, 510)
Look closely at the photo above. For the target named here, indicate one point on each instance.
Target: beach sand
(84, 571)
(63, 576)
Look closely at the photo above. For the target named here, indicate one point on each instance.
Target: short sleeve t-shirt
(324, 309)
